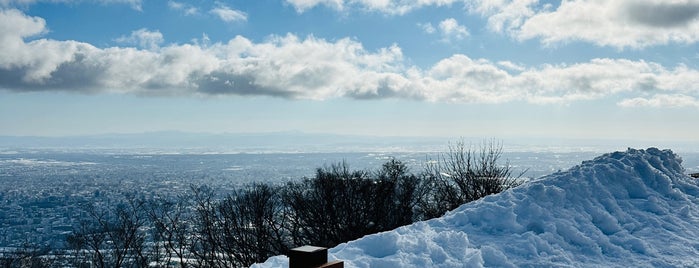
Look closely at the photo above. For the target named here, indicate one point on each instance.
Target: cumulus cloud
(427, 27)
(511, 66)
(303, 5)
(620, 24)
(143, 38)
(392, 7)
(663, 14)
(228, 14)
(136, 4)
(602, 78)
(311, 68)
(187, 9)
(505, 15)
(451, 29)
(662, 101)
(285, 66)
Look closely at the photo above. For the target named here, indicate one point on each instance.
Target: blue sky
(455, 68)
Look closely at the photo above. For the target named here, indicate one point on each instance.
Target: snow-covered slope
(632, 209)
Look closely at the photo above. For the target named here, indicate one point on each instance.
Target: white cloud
(135, 4)
(599, 78)
(228, 14)
(625, 23)
(392, 7)
(504, 15)
(511, 66)
(427, 27)
(284, 66)
(451, 29)
(661, 101)
(462, 79)
(303, 5)
(311, 68)
(16, 25)
(143, 38)
(620, 24)
(187, 9)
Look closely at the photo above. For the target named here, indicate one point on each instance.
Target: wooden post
(311, 257)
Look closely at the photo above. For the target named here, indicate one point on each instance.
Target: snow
(625, 209)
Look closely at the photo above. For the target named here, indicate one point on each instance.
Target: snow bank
(634, 209)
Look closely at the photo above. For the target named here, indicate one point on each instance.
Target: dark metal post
(311, 257)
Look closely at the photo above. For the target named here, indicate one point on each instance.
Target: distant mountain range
(293, 141)
(227, 142)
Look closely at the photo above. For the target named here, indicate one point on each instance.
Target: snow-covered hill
(632, 209)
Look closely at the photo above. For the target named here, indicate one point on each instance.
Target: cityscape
(43, 193)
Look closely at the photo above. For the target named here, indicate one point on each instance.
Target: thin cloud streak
(228, 14)
(661, 101)
(390, 7)
(135, 4)
(143, 38)
(187, 9)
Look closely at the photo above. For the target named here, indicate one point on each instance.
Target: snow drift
(634, 209)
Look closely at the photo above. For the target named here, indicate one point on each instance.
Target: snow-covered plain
(625, 209)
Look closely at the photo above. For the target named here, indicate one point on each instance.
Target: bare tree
(401, 191)
(205, 242)
(28, 255)
(172, 229)
(255, 222)
(244, 228)
(338, 205)
(463, 175)
(331, 207)
(112, 236)
(252, 223)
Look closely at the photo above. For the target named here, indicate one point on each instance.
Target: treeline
(258, 221)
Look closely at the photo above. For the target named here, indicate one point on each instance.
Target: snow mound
(632, 209)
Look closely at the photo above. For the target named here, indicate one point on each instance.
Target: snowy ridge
(633, 209)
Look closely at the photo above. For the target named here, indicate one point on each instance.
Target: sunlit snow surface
(625, 209)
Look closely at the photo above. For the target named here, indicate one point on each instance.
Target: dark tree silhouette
(463, 175)
(260, 220)
(243, 228)
(28, 255)
(339, 205)
(112, 237)
(172, 229)
(404, 191)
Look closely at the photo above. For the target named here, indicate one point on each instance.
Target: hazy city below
(45, 183)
